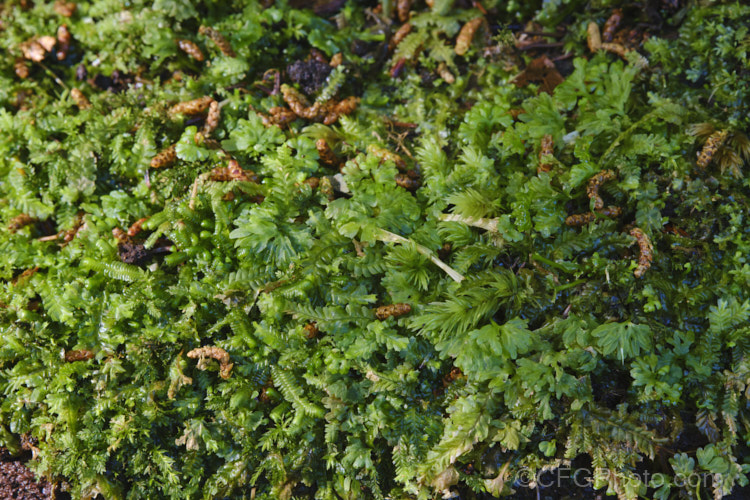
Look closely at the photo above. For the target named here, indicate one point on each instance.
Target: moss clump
(378, 265)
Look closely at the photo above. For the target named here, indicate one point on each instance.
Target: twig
(487, 224)
(542, 46)
(387, 236)
(54, 76)
(263, 88)
(194, 190)
(567, 55)
(396, 123)
(542, 33)
(480, 7)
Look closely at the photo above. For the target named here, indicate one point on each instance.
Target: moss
(424, 181)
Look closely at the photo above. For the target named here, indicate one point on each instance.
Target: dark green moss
(529, 342)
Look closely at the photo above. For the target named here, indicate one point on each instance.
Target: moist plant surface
(343, 250)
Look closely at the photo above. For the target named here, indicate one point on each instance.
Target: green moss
(562, 350)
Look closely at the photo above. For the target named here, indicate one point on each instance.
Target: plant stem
(488, 224)
(626, 133)
(387, 236)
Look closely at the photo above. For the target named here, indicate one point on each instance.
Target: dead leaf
(542, 71)
(33, 51)
(445, 479)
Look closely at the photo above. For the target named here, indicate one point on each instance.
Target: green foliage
(528, 342)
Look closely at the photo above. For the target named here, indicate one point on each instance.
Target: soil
(310, 75)
(17, 482)
(132, 253)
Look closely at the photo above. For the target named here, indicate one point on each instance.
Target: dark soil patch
(17, 482)
(310, 75)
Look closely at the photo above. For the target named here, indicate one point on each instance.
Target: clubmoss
(381, 269)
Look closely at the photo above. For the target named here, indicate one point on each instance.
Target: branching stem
(625, 134)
